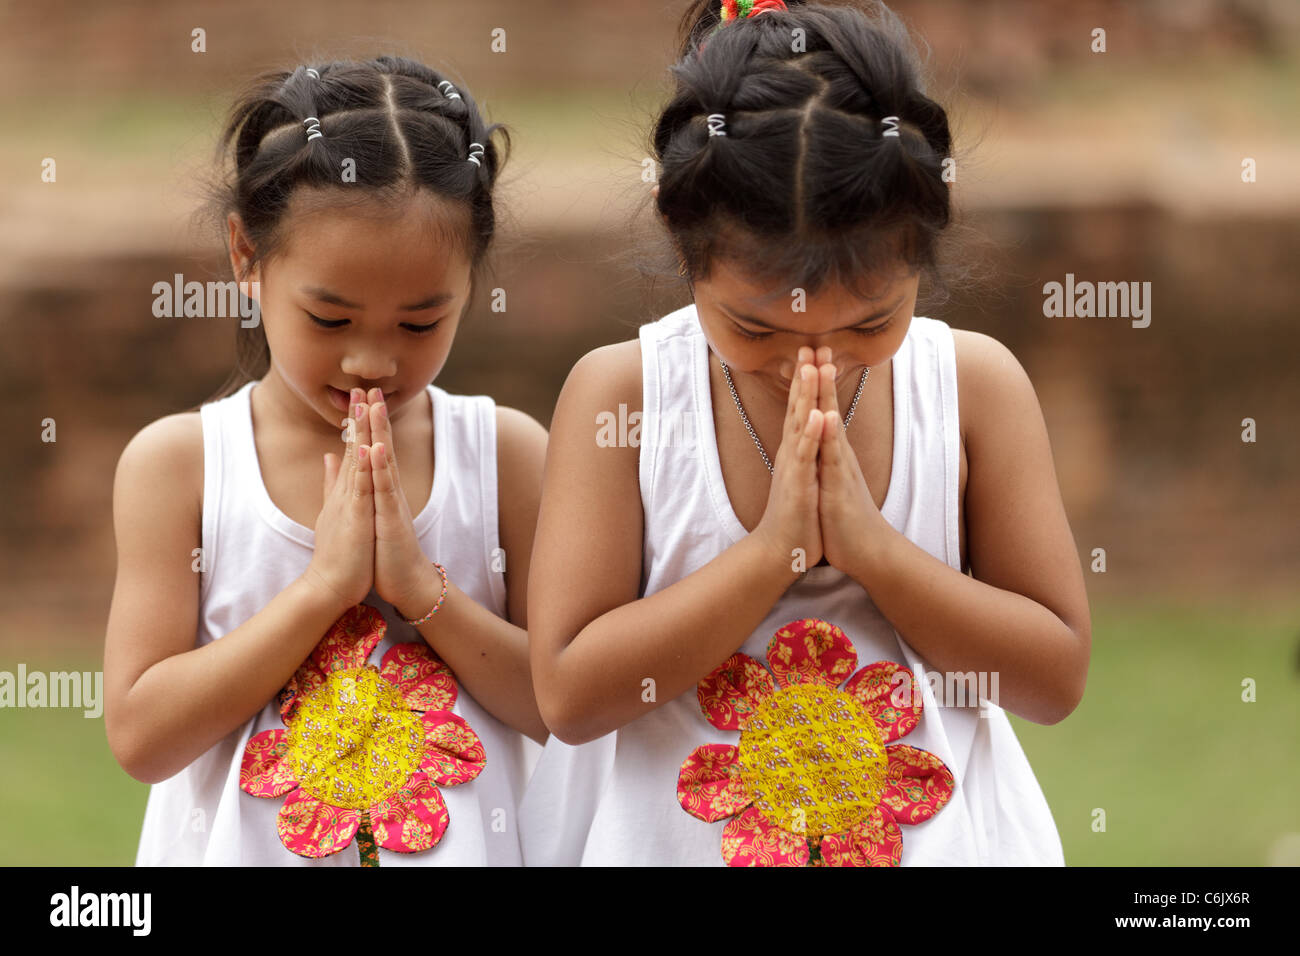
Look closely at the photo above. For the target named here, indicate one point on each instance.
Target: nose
(371, 367)
(816, 353)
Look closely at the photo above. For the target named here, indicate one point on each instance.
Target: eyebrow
(333, 298)
(888, 310)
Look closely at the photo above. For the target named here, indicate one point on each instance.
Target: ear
(654, 192)
(241, 253)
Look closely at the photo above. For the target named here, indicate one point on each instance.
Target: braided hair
(402, 125)
(799, 144)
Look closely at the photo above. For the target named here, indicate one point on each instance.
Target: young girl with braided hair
(358, 689)
(780, 626)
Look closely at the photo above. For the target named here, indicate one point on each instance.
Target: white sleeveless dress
(614, 801)
(253, 551)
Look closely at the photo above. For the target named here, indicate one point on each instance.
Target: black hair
(403, 125)
(804, 188)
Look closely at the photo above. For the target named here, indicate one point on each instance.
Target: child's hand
(343, 562)
(790, 518)
(404, 577)
(848, 513)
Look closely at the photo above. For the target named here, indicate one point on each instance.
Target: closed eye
(339, 323)
(873, 330)
(748, 334)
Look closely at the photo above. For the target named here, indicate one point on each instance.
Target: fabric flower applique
(364, 749)
(812, 781)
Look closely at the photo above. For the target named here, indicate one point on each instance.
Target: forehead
(341, 240)
(748, 290)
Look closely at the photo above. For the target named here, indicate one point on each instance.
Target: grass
(1186, 772)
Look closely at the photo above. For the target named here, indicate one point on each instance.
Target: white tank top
(614, 800)
(252, 552)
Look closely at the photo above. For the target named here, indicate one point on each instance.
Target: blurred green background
(1117, 166)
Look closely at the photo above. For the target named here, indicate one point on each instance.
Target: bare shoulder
(166, 455)
(990, 378)
(518, 433)
(1012, 472)
(521, 453)
(612, 371)
(157, 521)
(590, 524)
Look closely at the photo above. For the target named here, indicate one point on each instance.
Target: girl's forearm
(961, 625)
(184, 704)
(488, 655)
(641, 655)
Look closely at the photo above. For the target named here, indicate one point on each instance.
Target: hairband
(448, 89)
(312, 124)
(744, 9)
(718, 125)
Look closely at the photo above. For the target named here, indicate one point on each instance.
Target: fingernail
(362, 452)
(383, 411)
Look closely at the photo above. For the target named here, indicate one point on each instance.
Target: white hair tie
(717, 124)
(891, 126)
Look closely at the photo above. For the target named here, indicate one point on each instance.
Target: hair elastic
(717, 124)
(448, 90)
(891, 126)
(313, 128)
(312, 73)
(476, 153)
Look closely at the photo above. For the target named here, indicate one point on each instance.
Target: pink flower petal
(731, 692)
(412, 819)
(264, 772)
(709, 787)
(314, 829)
(424, 681)
(919, 784)
(891, 696)
(875, 841)
(811, 650)
(749, 840)
(454, 754)
(345, 646)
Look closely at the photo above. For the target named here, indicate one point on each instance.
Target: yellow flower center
(812, 759)
(352, 743)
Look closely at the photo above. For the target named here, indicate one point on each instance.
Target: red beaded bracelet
(441, 597)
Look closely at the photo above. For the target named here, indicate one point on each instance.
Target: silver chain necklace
(750, 428)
